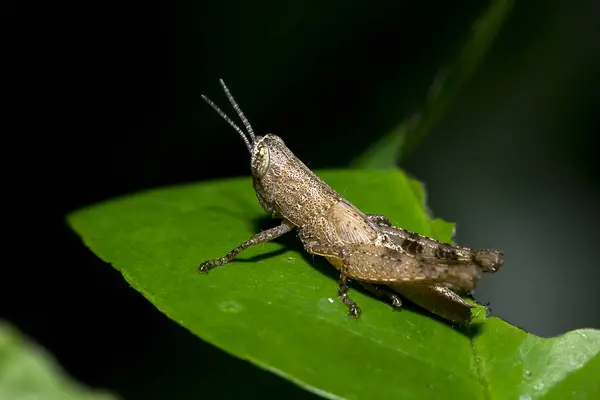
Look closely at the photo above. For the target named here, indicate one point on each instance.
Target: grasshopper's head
(264, 150)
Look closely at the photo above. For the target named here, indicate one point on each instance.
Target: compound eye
(260, 160)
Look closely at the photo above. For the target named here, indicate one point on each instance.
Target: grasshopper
(387, 260)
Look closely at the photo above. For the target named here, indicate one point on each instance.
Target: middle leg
(353, 309)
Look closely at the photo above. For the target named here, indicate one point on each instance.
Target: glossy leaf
(276, 306)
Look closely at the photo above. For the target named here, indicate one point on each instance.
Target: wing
(431, 250)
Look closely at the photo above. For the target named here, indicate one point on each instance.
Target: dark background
(108, 102)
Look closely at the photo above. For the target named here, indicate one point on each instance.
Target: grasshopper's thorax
(285, 187)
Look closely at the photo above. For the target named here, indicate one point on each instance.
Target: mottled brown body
(365, 248)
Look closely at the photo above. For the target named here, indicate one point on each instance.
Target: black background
(105, 100)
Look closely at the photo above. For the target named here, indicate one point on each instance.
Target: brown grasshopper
(367, 248)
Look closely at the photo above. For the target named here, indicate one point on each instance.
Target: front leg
(259, 238)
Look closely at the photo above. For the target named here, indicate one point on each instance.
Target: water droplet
(527, 374)
(326, 305)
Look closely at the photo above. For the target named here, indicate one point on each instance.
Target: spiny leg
(382, 265)
(438, 300)
(383, 294)
(489, 260)
(259, 238)
(379, 219)
(353, 309)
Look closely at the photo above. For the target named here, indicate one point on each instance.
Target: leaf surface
(277, 307)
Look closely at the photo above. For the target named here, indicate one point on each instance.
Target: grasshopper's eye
(260, 159)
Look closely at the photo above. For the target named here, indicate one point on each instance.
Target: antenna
(229, 121)
(238, 110)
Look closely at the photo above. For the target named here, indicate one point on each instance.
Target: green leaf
(29, 372)
(401, 140)
(278, 309)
